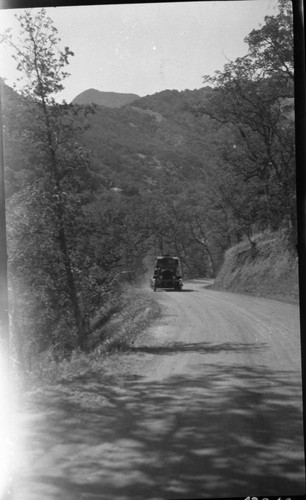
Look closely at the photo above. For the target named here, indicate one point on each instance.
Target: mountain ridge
(101, 98)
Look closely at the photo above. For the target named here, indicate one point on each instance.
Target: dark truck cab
(167, 273)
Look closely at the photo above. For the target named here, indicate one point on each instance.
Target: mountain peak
(108, 99)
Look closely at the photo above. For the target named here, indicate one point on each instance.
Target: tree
(271, 46)
(254, 95)
(42, 67)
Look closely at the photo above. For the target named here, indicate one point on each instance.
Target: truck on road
(167, 273)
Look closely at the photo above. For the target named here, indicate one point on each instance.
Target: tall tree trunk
(202, 240)
(81, 330)
(228, 230)
(82, 333)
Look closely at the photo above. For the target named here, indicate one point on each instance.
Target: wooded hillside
(92, 189)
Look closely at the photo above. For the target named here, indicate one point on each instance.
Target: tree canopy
(254, 94)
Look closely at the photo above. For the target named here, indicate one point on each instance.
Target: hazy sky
(146, 48)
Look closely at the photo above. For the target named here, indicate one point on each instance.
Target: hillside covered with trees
(91, 190)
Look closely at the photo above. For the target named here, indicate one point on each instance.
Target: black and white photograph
(152, 250)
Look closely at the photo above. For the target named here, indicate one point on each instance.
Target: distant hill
(131, 144)
(108, 99)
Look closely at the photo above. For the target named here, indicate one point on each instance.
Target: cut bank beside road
(269, 269)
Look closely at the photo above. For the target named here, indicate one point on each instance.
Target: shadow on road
(171, 290)
(200, 348)
(226, 432)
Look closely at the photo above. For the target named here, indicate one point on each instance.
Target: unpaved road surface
(207, 404)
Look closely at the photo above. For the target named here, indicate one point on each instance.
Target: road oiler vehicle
(167, 273)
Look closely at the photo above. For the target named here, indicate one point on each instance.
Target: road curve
(207, 404)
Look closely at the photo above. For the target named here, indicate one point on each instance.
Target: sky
(149, 47)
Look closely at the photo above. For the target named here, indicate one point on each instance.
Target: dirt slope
(269, 271)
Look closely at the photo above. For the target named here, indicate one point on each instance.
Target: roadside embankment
(268, 269)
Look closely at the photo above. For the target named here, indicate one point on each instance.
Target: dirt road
(207, 404)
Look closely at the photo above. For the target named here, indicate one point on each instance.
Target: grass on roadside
(133, 313)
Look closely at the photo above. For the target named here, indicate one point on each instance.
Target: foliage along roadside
(113, 332)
